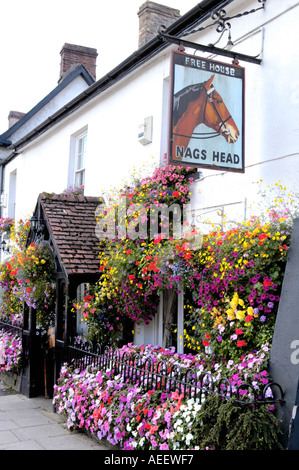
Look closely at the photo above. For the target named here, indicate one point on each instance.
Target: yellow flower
(250, 311)
(240, 314)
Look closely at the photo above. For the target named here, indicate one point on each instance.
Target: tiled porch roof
(71, 223)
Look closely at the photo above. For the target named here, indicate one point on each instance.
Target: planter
(11, 380)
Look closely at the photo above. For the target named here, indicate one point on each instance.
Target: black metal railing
(152, 374)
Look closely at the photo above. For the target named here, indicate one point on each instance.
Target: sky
(33, 32)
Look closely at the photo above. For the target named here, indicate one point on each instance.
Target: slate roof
(71, 223)
(78, 70)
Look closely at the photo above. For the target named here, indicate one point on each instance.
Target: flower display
(110, 407)
(104, 324)
(27, 277)
(148, 253)
(231, 278)
(10, 352)
(6, 224)
(75, 190)
(235, 293)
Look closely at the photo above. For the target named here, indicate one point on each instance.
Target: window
(12, 194)
(77, 159)
(80, 157)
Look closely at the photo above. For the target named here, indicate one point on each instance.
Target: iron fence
(152, 374)
(7, 325)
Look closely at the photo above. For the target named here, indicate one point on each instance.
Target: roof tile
(71, 221)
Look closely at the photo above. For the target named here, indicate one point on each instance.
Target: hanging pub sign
(207, 114)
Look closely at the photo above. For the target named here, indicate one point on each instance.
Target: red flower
(248, 318)
(131, 277)
(238, 331)
(175, 193)
(29, 290)
(153, 267)
(128, 252)
(241, 343)
(206, 343)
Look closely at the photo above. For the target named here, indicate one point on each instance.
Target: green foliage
(225, 425)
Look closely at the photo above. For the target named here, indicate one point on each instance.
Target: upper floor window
(77, 159)
(80, 158)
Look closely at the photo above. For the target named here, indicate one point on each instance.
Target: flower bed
(109, 407)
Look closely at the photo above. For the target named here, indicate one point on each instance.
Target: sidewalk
(31, 424)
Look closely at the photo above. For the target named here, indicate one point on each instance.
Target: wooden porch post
(180, 327)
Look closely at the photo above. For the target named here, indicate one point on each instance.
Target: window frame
(80, 154)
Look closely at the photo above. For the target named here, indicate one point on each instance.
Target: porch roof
(71, 224)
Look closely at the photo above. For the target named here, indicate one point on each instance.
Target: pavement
(32, 424)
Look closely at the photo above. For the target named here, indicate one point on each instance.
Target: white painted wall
(271, 110)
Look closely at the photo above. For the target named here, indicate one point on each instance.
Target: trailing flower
(148, 253)
(10, 352)
(27, 277)
(235, 293)
(6, 224)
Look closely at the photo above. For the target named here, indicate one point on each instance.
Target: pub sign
(207, 114)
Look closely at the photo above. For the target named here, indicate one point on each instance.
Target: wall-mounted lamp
(34, 223)
(37, 225)
(4, 247)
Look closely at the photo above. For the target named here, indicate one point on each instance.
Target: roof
(196, 15)
(78, 70)
(71, 224)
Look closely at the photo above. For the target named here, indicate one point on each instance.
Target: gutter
(201, 12)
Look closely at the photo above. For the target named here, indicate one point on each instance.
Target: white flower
(178, 423)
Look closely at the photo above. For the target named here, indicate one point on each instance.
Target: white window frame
(80, 160)
(74, 168)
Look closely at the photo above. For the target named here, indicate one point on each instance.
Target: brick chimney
(13, 117)
(72, 55)
(151, 16)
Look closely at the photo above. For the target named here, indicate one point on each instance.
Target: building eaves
(197, 15)
(79, 70)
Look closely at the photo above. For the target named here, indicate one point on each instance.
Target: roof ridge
(63, 197)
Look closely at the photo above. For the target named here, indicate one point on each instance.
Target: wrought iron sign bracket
(236, 56)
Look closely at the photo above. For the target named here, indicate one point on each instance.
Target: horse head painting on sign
(201, 104)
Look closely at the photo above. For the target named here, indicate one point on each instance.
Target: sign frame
(194, 71)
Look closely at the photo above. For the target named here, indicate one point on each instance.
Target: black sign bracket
(236, 56)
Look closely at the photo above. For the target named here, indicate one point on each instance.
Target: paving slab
(31, 424)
